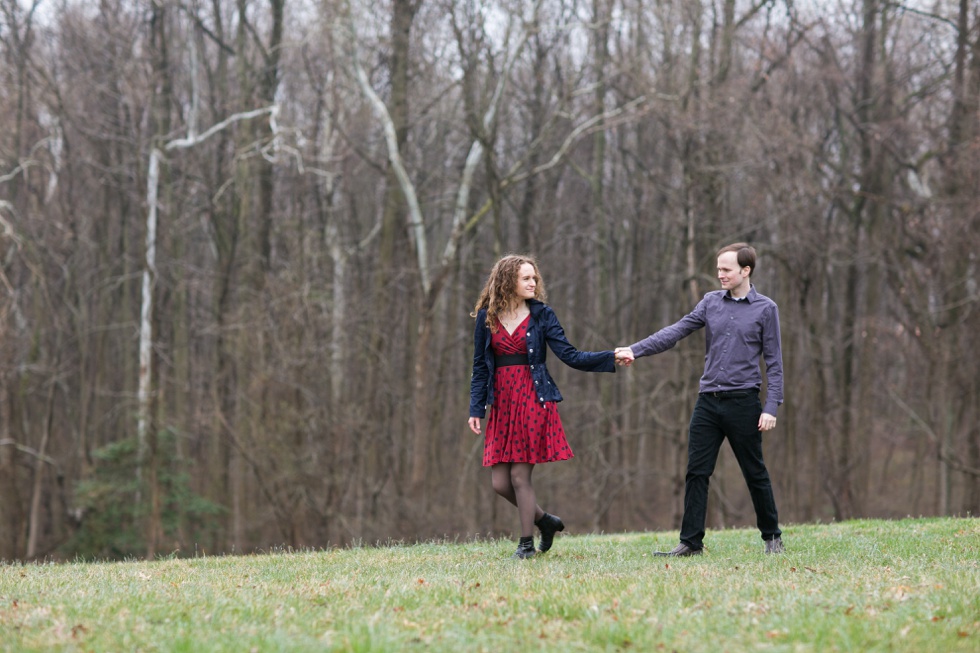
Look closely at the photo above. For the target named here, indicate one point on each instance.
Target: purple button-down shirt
(737, 333)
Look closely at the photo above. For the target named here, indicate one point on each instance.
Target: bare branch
(751, 12)
(924, 14)
(26, 164)
(181, 143)
(204, 28)
(29, 451)
(601, 121)
(583, 129)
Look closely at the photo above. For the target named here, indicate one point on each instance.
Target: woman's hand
(475, 425)
(624, 356)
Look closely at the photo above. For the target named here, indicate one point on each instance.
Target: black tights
(512, 481)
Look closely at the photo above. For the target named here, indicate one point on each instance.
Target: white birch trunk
(146, 308)
(145, 390)
(416, 223)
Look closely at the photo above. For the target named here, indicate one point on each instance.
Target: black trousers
(715, 418)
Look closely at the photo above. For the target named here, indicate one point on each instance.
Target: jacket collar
(535, 306)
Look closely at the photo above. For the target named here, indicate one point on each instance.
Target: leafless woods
(240, 241)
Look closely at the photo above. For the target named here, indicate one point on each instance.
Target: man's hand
(475, 425)
(624, 356)
(767, 422)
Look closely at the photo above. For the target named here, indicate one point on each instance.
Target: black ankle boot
(548, 525)
(525, 548)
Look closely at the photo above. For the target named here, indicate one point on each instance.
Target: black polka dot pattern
(520, 429)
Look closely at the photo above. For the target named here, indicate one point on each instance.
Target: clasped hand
(624, 356)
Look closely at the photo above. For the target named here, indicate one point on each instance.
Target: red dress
(520, 429)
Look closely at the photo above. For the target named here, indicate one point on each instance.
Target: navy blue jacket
(542, 326)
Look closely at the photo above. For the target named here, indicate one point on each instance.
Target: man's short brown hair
(745, 254)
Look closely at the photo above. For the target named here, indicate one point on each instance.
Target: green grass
(909, 585)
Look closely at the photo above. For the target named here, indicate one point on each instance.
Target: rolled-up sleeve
(772, 353)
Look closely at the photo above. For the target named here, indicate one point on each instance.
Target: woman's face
(527, 281)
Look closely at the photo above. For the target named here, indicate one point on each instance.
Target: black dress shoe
(678, 551)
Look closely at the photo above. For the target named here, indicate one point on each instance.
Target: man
(740, 326)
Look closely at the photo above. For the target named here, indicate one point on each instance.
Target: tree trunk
(34, 523)
(147, 429)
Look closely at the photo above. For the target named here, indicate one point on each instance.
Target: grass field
(907, 585)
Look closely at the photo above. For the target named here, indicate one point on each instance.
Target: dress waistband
(504, 360)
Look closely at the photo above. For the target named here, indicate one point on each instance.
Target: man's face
(730, 274)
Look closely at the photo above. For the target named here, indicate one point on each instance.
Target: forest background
(240, 241)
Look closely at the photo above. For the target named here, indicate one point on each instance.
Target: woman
(509, 375)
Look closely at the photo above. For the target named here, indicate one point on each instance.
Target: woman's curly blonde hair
(500, 290)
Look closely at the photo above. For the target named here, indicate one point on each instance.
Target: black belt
(730, 394)
(505, 360)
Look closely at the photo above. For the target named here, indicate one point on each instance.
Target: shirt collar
(750, 297)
